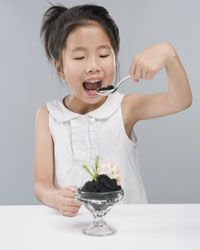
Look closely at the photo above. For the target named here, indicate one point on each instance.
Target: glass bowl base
(99, 230)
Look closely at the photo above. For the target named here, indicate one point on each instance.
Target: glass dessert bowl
(99, 204)
(99, 195)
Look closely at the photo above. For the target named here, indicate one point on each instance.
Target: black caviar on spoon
(109, 87)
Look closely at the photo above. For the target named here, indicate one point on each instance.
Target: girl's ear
(59, 69)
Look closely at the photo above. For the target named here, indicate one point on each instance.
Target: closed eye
(79, 58)
(104, 56)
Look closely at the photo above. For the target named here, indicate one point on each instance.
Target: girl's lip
(94, 78)
(90, 92)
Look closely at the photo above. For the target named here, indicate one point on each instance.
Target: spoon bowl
(110, 88)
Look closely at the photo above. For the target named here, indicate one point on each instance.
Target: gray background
(169, 146)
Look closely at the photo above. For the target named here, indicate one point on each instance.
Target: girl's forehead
(86, 35)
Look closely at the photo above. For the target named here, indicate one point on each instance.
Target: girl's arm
(145, 66)
(62, 199)
(44, 189)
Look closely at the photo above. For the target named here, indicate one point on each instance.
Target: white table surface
(139, 226)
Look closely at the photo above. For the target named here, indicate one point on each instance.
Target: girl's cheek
(73, 66)
(109, 64)
(110, 67)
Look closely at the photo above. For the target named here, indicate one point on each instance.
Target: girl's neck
(77, 106)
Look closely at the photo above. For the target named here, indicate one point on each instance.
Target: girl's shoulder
(42, 123)
(42, 117)
(42, 112)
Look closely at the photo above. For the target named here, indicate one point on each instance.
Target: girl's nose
(93, 65)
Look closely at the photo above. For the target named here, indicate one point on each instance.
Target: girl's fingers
(68, 192)
(66, 200)
(144, 74)
(150, 75)
(70, 202)
(69, 214)
(132, 70)
(68, 210)
(72, 188)
(138, 72)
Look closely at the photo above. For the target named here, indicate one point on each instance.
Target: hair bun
(53, 13)
(49, 18)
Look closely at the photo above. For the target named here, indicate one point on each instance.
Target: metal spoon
(110, 88)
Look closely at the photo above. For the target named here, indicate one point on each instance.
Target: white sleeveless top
(78, 139)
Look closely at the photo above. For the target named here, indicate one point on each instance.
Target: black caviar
(109, 87)
(103, 183)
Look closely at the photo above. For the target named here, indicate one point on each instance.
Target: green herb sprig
(94, 175)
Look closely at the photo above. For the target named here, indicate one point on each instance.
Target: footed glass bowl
(99, 204)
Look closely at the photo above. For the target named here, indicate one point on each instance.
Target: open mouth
(92, 86)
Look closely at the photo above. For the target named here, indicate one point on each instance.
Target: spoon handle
(120, 82)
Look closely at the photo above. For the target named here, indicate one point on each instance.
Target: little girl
(83, 44)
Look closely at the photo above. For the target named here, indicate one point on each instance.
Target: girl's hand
(151, 60)
(66, 203)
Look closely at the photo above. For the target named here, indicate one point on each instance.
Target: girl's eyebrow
(104, 47)
(83, 48)
(78, 48)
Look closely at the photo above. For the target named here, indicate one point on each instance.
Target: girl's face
(88, 62)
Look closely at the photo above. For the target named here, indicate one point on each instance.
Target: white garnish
(111, 170)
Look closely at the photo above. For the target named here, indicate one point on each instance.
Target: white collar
(57, 109)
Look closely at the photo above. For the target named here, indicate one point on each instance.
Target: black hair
(58, 21)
